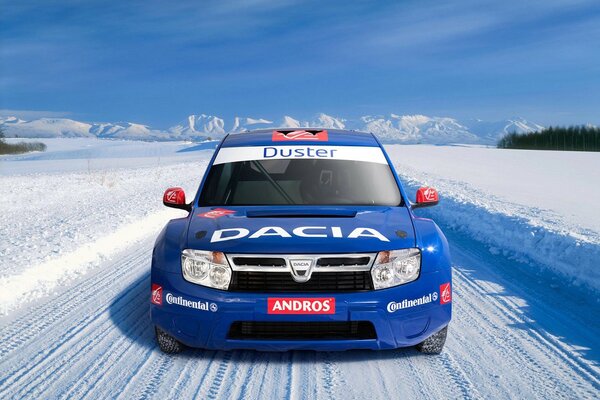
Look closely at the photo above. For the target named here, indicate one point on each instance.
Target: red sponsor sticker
(427, 195)
(174, 196)
(301, 305)
(430, 194)
(156, 294)
(287, 136)
(445, 293)
(216, 213)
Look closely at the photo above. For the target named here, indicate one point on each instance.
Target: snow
(76, 237)
(533, 205)
(69, 220)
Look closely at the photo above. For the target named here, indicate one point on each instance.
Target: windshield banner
(356, 153)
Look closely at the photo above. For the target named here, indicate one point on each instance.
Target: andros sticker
(198, 305)
(156, 297)
(301, 305)
(317, 136)
(216, 213)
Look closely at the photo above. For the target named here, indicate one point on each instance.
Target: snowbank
(537, 207)
(59, 225)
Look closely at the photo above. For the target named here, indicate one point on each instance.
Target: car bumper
(202, 317)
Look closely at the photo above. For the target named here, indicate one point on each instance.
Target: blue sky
(155, 62)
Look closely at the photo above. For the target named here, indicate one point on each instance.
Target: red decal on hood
(216, 213)
(299, 135)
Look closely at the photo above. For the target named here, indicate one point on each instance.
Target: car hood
(297, 230)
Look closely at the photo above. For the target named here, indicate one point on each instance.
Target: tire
(167, 343)
(434, 344)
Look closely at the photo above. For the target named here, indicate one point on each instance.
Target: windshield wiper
(282, 192)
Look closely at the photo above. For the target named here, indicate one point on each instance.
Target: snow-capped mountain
(199, 126)
(389, 128)
(242, 124)
(45, 127)
(493, 131)
(418, 129)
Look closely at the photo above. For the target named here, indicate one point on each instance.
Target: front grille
(259, 261)
(326, 261)
(342, 261)
(276, 282)
(343, 330)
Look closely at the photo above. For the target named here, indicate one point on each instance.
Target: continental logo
(444, 296)
(198, 305)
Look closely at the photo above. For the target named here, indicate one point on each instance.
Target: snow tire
(167, 343)
(434, 344)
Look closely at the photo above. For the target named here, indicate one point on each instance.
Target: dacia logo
(301, 269)
(222, 235)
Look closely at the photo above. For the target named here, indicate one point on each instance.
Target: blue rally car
(301, 239)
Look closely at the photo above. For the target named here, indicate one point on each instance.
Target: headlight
(206, 268)
(396, 267)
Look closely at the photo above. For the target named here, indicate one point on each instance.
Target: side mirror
(175, 198)
(426, 197)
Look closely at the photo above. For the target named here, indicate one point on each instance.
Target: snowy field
(76, 235)
(539, 206)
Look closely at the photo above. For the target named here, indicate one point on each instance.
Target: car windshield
(300, 181)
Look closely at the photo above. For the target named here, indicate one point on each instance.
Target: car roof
(335, 137)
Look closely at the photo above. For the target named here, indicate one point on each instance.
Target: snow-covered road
(507, 340)
(516, 332)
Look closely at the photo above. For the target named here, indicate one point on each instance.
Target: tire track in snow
(505, 342)
(48, 368)
(22, 329)
(539, 338)
(332, 375)
(463, 383)
(496, 344)
(189, 387)
(423, 367)
(224, 366)
(257, 365)
(159, 367)
(58, 348)
(108, 361)
(503, 308)
(272, 375)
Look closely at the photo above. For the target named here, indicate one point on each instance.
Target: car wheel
(434, 344)
(167, 343)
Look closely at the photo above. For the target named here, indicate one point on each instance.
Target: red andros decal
(299, 135)
(445, 293)
(216, 213)
(156, 297)
(301, 305)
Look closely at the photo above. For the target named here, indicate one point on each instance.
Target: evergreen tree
(572, 138)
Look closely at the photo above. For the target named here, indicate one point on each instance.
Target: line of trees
(572, 138)
(18, 148)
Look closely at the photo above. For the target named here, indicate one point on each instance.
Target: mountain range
(389, 128)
